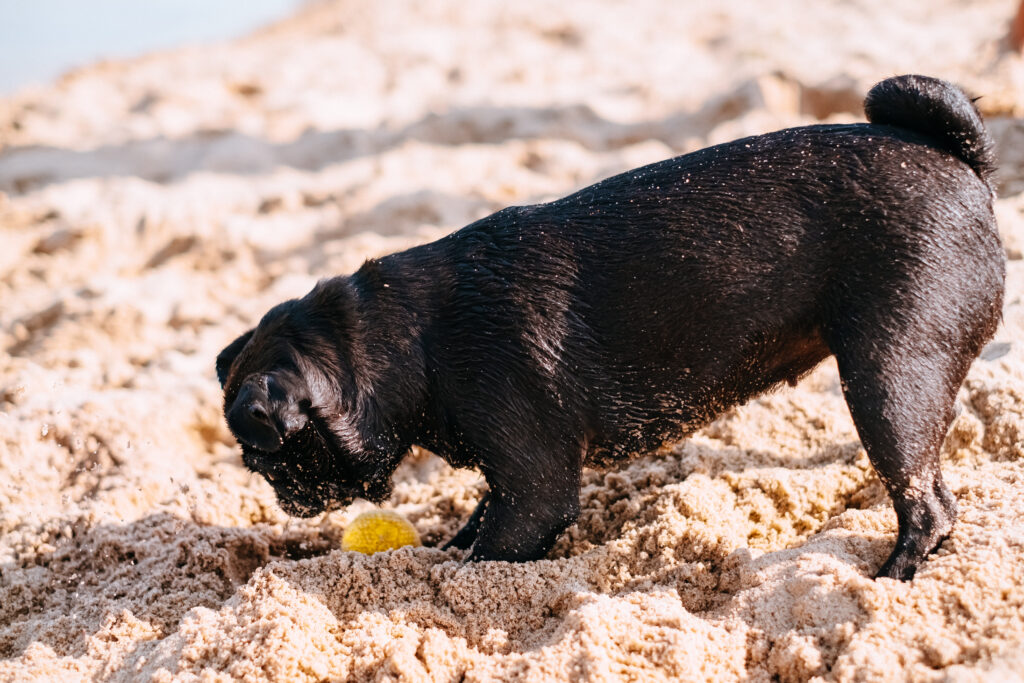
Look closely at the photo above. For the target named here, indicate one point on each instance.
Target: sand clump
(152, 210)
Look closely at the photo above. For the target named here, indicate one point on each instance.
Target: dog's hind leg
(901, 370)
(902, 406)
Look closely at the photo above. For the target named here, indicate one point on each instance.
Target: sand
(153, 209)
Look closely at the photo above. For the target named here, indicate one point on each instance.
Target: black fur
(602, 325)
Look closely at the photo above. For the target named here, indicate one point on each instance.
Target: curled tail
(939, 110)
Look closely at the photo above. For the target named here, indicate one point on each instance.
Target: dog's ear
(226, 357)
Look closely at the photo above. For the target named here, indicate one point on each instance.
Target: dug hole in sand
(152, 210)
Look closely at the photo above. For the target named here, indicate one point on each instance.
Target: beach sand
(153, 209)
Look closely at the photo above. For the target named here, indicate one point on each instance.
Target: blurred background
(41, 40)
(170, 169)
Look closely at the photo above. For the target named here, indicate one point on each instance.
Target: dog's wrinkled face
(285, 391)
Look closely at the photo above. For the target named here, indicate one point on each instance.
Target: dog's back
(636, 310)
(671, 292)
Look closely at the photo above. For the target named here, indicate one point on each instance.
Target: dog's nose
(257, 412)
(251, 422)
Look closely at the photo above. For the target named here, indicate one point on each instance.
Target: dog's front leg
(467, 534)
(525, 515)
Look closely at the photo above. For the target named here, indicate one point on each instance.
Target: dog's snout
(265, 412)
(251, 420)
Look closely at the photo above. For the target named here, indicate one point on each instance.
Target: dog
(584, 331)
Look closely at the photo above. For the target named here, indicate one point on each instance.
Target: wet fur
(596, 327)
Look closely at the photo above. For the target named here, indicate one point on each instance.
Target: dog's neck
(378, 335)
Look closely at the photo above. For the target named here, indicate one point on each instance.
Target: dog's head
(290, 398)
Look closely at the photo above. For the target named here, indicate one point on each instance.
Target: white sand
(154, 209)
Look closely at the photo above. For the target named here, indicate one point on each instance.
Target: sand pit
(152, 210)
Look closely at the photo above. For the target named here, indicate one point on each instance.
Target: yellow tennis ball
(378, 530)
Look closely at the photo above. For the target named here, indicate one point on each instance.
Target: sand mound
(152, 210)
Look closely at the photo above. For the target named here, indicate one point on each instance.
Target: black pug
(581, 332)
